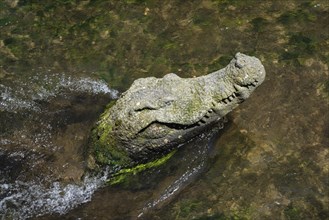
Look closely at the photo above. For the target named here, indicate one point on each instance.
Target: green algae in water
(300, 46)
(303, 43)
(237, 3)
(187, 207)
(220, 63)
(204, 17)
(259, 24)
(136, 1)
(108, 56)
(326, 87)
(292, 213)
(216, 216)
(292, 17)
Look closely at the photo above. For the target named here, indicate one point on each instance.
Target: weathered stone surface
(155, 115)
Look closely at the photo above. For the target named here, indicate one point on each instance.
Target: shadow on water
(270, 163)
(150, 190)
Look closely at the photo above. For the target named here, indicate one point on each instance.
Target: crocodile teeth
(229, 98)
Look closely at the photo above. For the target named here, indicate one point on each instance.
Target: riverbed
(62, 62)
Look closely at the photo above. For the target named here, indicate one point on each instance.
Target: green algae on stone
(123, 174)
(104, 148)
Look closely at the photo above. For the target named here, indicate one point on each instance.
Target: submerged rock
(156, 115)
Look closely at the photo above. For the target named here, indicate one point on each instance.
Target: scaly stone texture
(156, 115)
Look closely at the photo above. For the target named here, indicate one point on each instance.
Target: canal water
(61, 62)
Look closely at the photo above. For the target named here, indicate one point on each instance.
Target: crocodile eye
(237, 64)
(167, 102)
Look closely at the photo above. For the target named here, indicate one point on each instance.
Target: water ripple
(22, 200)
(23, 95)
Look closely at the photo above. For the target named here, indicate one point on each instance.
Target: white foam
(78, 84)
(88, 85)
(21, 200)
(10, 102)
(24, 200)
(42, 87)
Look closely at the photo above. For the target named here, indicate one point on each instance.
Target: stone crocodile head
(240, 78)
(156, 115)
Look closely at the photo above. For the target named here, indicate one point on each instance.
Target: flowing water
(61, 62)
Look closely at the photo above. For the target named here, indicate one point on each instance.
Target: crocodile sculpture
(156, 115)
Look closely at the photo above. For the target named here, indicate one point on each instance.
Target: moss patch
(104, 149)
(123, 174)
(292, 213)
(300, 47)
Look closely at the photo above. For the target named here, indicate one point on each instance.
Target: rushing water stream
(61, 62)
(48, 107)
(43, 107)
(23, 196)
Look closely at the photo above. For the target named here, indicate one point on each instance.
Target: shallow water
(61, 62)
